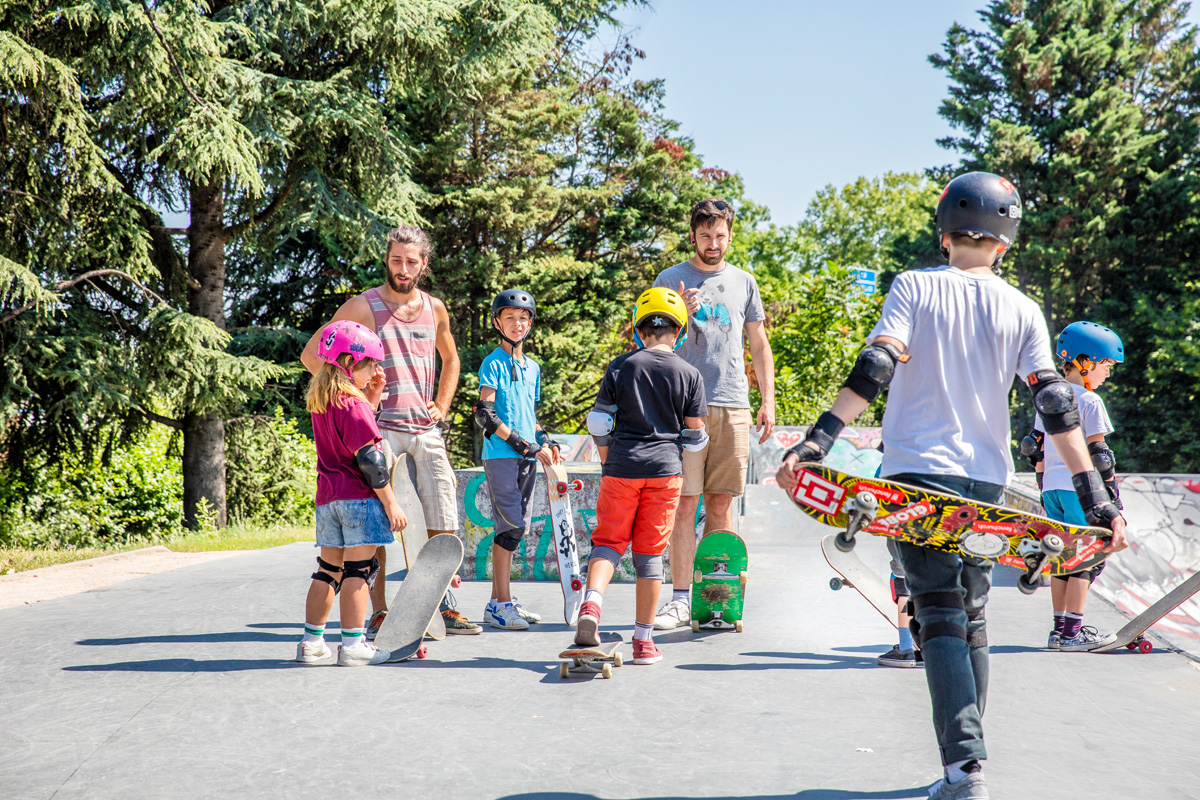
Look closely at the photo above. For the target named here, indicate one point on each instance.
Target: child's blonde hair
(331, 382)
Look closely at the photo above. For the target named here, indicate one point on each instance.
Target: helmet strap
(515, 344)
(1084, 364)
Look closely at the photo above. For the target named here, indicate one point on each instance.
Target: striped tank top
(410, 364)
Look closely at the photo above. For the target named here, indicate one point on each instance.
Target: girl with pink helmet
(356, 508)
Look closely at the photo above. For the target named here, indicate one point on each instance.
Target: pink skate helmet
(345, 336)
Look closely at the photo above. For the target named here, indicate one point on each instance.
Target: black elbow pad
(1054, 400)
(373, 463)
(485, 417)
(873, 370)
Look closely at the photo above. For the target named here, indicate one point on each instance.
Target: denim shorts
(351, 523)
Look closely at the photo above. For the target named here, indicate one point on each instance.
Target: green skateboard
(719, 581)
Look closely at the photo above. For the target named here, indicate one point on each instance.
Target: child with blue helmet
(1089, 352)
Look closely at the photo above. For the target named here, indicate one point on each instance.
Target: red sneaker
(587, 629)
(646, 652)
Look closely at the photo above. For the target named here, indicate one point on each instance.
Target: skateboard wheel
(577, 485)
(695, 626)
(564, 670)
(835, 583)
(842, 543)
(576, 584)
(618, 659)
(737, 625)
(1144, 646)
(456, 581)
(742, 578)
(422, 652)
(561, 487)
(697, 576)
(1052, 544)
(606, 671)
(1025, 586)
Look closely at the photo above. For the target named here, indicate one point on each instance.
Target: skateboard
(1132, 636)
(855, 574)
(946, 522)
(415, 603)
(719, 581)
(414, 536)
(583, 659)
(563, 526)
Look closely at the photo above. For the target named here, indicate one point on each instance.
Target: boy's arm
(871, 373)
(1093, 495)
(487, 419)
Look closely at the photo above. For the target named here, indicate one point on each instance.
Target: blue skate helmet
(1085, 343)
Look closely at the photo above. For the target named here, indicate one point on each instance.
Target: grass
(235, 537)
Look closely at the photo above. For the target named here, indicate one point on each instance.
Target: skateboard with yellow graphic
(946, 522)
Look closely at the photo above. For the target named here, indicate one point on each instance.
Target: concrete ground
(180, 685)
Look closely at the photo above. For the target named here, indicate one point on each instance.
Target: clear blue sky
(798, 94)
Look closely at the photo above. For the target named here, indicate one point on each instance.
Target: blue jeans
(956, 669)
(352, 523)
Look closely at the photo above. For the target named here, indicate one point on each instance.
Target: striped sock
(352, 637)
(1071, 625)
(682, 594)
(641, 630)
(313, 633)
(1060, 619)
(593, 596)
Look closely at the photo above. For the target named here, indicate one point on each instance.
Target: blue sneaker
(504, 616)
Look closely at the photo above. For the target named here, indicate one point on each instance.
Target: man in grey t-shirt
(725, 312)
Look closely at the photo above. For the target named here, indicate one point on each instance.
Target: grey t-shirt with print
(715, 345)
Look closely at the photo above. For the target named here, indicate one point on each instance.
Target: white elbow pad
(695, 439)
(600, 423)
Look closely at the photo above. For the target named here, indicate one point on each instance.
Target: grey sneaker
(672, 615)
(972, 787)
(897, 658)
(1088, 638)
(361, 656)
(1054, 641)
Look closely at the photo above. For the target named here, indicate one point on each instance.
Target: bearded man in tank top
(415, 329)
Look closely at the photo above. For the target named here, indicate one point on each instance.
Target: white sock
(642, 631)
(682, 594)
(312, 633)
(353, 637)
(593, 596)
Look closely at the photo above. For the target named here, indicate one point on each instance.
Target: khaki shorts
(720, 468)
(436, 482)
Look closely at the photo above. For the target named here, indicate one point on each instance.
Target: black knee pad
(646, 566)
(924, 633)
(977, 637)
(509, 539)
(325, 576)
(365, 569)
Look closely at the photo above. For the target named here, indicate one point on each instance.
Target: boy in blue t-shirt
(514, 443)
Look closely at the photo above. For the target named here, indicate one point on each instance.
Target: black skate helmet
(979, 204)
(514, 298)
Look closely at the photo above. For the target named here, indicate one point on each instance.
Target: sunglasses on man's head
(719, 205)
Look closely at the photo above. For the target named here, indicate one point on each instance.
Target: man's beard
(395, 281)
(711, 261)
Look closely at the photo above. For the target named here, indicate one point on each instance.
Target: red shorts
(637, 511)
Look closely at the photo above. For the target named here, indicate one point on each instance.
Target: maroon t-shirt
(341, 431)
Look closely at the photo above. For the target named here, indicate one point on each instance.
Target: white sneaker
(362, 655)
(532, 617)
(505, 617)
(311, 652)
(672, 615)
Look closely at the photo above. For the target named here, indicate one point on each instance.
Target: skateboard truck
(862, 510)
(574, 486)
(1052, 545)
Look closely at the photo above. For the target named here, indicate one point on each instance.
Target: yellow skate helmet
(664, 302)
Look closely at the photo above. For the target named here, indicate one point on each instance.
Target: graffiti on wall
(855, 452)
(535, 558)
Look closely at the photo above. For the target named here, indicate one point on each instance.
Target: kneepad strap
(325, 576)
(923, 633)
(366, 569)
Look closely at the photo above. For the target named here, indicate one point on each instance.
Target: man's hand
(436, 412)
(375, 387)
(691, 298)
(765, 422)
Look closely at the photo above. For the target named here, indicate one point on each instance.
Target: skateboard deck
(415, 603)
(855, 574)
(719, 581)
(583, 659)
(949, 523)
(562, 523)
(1132, 635)
(414, 536)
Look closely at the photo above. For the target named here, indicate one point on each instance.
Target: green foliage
(135, 493)
(1091, 108)
(271, 470)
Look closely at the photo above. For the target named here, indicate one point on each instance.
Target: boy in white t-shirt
(1090, 351)
(949, 344)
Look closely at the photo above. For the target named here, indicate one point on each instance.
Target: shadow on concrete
(1015, 648)
(807, 794)
(192, 665)
(831, 662)
(432, 662)
(227, 638)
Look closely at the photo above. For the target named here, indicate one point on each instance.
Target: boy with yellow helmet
(650, 407)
